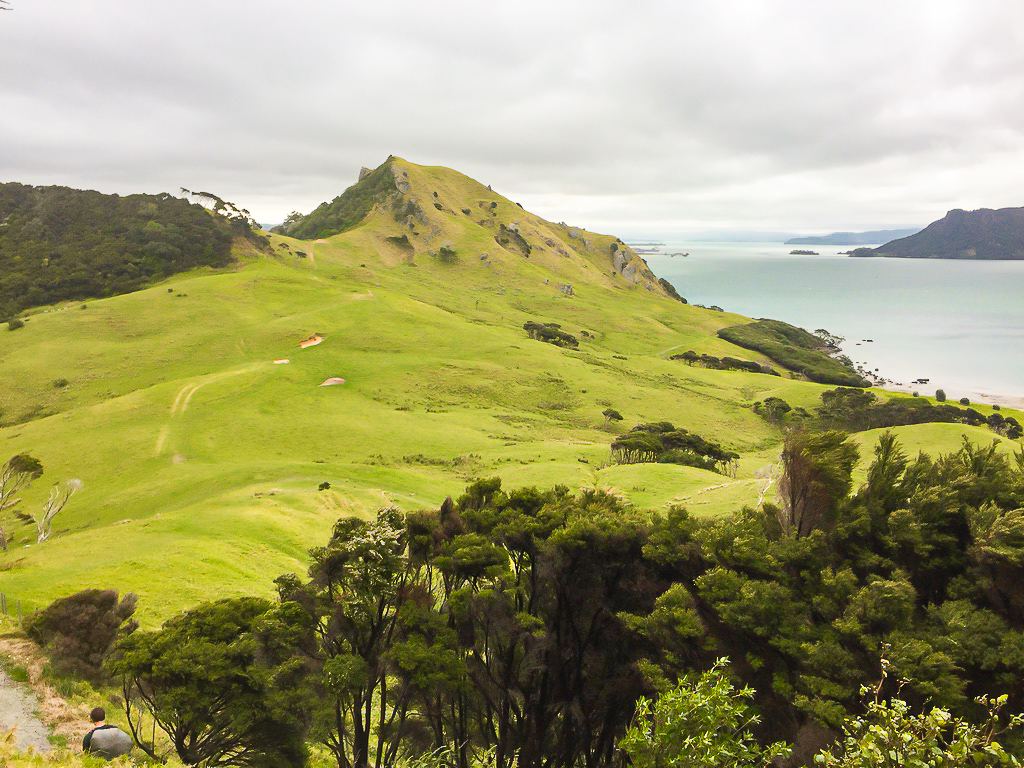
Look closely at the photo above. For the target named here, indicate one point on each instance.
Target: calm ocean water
(958, 323)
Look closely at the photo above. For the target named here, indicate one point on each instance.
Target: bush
(80, 631)
(965, 401)
(446, 254)
(60, 383)
(702, 723)
(940, 395)
(15, 324)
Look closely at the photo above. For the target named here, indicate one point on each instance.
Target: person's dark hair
(98, 714)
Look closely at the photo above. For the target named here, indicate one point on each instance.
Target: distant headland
(984, 234)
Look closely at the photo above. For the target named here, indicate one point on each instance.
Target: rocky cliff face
(982, 234)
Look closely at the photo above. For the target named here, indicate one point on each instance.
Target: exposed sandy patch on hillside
(312, 341)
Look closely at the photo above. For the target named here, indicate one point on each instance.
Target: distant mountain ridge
(854, 238)
(984, 234)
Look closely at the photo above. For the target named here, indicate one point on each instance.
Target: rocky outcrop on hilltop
(439, 213)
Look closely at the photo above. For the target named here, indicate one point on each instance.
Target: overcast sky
(632, 118)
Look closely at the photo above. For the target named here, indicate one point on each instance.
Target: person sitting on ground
(104, 740)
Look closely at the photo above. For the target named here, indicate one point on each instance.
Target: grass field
(201, 457)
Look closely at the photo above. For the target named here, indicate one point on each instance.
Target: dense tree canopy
(526, 625)
(58, 243)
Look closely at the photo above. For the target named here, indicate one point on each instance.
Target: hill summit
(423, 212)
(981, 234)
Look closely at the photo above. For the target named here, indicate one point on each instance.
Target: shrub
(60, 383)
(965, 401)
(323, 486)
(704, 722)
(15, 324)
(551, 333)
(940, 395)
(80, 631)
(446, 254)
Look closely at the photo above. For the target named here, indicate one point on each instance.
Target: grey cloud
(771, 114)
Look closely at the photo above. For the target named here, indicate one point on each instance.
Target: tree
(58, 499)
(816, 472)
(610, 415)
(704, 722)
(223, 682)
(774, 409)
(15, 475)
(350, 609)
(940, 395)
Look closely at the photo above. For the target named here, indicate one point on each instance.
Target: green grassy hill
(202, 452)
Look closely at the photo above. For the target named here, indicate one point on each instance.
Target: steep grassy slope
(202, 457)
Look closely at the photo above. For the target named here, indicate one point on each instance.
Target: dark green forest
(527, 624)
(58, 243)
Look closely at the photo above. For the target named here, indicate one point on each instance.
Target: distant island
(802, 252)
(853, 238)
(984, 234)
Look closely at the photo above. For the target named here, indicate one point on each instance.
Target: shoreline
(976, 396)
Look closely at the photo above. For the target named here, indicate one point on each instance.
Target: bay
(959, 324)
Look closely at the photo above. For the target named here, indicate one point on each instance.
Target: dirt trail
(17, 713)
(184, 397)
(34, 708)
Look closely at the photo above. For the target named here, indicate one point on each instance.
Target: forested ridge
(522, 627)
(58, 243)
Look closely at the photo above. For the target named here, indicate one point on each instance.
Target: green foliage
(79, 632)
(610, 414)
(704, 722)
(350, 611)
(59, 243)
(551, 333)
(669, 288)
(665, 443)
(345, 211)
(856, 409)
(793, 348)
(222, 682)
(816, 477)
(940, 395)
(891, 734)
(773, 408)
(723, 363)
(446, 254)
(15, 324)
(16, 474)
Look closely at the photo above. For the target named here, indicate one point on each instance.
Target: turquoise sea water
(958, 323)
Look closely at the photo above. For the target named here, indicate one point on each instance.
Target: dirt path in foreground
(34, 708)
(17, 713)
